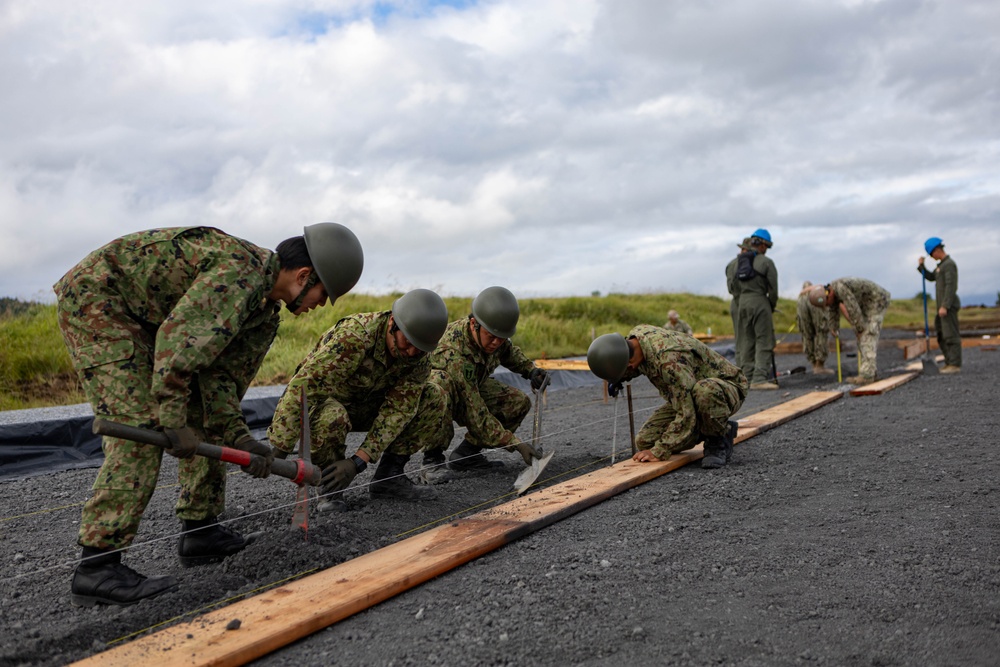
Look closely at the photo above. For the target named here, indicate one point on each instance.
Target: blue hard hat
(764, 235)
(931, 244)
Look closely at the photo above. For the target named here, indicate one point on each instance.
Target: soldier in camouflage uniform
(675, 323)
(166, 329)
(758, 299)
(368, 373)
(814, 325)
(863, 303)
(471, 349)
(945, 279)
(701, 390)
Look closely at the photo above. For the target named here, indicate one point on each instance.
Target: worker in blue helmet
(945, 279)
(758, 297)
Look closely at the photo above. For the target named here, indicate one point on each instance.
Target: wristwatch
(359, 463)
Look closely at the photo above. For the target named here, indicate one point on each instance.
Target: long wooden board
(562, 364)
(282, 615)
(882, 386)
(912, 349)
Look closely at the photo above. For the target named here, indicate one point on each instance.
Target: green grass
(35, 369)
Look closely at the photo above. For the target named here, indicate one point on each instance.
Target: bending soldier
(471, 349)
(367, 373)
(863, 303)
(700, 388)
(166, 329)
(814, 325)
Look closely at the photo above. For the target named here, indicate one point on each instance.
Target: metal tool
(300, 516)
(631, 418)
(927, 361)
(531, 473)
(840, 377)
(794, 371)
(298, 471)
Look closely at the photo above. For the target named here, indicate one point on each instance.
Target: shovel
(531, 473)
(927, 361)
(794, 371)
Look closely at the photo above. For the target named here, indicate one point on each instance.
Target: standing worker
(945, 278)
(470, 350)
(675, 323)
(701, 389)
(367, 373)
(758, 289)
(814, 325)
(863, 303)
(166, 329)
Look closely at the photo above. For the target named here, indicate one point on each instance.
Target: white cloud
(558, 147)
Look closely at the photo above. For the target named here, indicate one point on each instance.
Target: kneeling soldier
(701, 389)
(367, 373)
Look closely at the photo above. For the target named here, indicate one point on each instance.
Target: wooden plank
(883, 386)
(562, 364)
(916, 348)
(282, 615)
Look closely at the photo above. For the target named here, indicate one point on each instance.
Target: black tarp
(36, 442)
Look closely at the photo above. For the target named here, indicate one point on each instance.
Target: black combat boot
(390, 481)
(469, 458)
(715, 452)
(719, 448)
(729, 439)
(207, 541)
(101, 578)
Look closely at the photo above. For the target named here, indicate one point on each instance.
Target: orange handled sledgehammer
(299, 471)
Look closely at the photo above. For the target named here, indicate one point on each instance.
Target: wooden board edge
(882, 386)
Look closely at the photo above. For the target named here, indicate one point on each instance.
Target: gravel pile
(864, 533)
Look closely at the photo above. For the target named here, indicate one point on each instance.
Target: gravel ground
(864, 533)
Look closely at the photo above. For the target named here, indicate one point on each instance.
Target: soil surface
(864, 533)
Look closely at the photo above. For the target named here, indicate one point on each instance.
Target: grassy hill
(35, 368)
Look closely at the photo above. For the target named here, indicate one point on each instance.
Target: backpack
(744, 265)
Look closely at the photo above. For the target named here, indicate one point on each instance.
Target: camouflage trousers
(508, 405)
(331, 421)
(868, 347)
(113, 357)
(815, 340)
(715, 401)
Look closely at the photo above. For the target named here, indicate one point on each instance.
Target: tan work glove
(527, 451)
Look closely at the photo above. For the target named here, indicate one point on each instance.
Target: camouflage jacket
(462, 365)
(862, 299)
(681, 326)
(203, 294)
(945, 278)
(352, 365)
(674, 363)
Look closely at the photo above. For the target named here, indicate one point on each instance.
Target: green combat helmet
(496, 310)
(422, 317)
(336, 254)
(608, 357)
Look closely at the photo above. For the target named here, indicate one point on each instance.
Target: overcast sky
(557, 147)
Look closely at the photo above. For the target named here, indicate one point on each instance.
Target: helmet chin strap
(310, 283)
